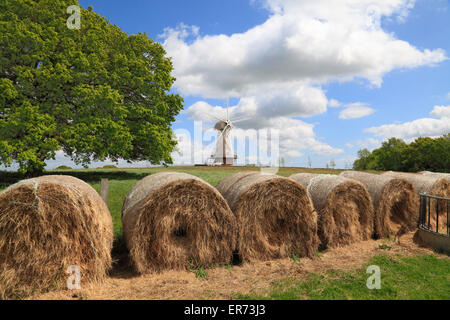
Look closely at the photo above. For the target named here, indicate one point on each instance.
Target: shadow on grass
(8, 178)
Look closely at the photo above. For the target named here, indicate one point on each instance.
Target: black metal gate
(434, 214)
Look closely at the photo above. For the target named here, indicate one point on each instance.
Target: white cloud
(369, 143)
(61, 159)
(294, 135)
(190, 151)
(286, 102)
(276, 69)
(355, 111)
(333, 103)
(302, 42)
(345, 162)
(425, 127)
(441, 112)
(294, 154)
(203, 111)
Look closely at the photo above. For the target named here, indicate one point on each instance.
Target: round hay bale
(395, 202)
(432, 184)
(435, 184)
(177, 221)
(344, 208)
(437, 174)
(275, 216)
(46, 225)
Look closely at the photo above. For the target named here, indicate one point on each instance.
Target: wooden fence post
(104, 190)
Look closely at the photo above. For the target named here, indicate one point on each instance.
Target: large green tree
(428, 154)
(391, 155)
(95, 93)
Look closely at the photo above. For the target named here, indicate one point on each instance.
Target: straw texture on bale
(177, 221)
(344, 208)
(433, 184)
(437, 174)
(275, 216)
(46, 225)
(395, 202)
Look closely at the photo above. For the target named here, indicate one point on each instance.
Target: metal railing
(434, 214)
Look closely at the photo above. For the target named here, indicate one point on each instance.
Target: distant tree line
(424, 154)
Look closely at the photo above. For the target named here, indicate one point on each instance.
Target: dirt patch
(223, 282)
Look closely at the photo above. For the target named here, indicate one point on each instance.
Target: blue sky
(332, 78)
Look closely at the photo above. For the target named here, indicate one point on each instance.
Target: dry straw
(345, 211)
(177, 221)
(395, 202)
(436, 174)
(46, 225)
(275, 216)
(435, 184)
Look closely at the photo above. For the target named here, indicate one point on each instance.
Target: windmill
(224, 154)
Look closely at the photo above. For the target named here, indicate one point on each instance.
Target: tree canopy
(95, 93)
(420, 155)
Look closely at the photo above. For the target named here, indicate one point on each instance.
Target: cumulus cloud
(301, 103)
(369, 143)
(345, 162)
(276, 69)
(441, 112)
(425, 127)
(61, 159)
(302, 42)
(333, 103)
(294, 134)
(355, 111)
(294, 154)
(189, 150)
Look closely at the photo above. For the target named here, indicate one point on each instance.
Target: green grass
(410, 278)
(229, 267)
(296, 259)
(384, 247)
(200, 273)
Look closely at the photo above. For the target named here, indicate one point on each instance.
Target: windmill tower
(224, 154)
(224, 148)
